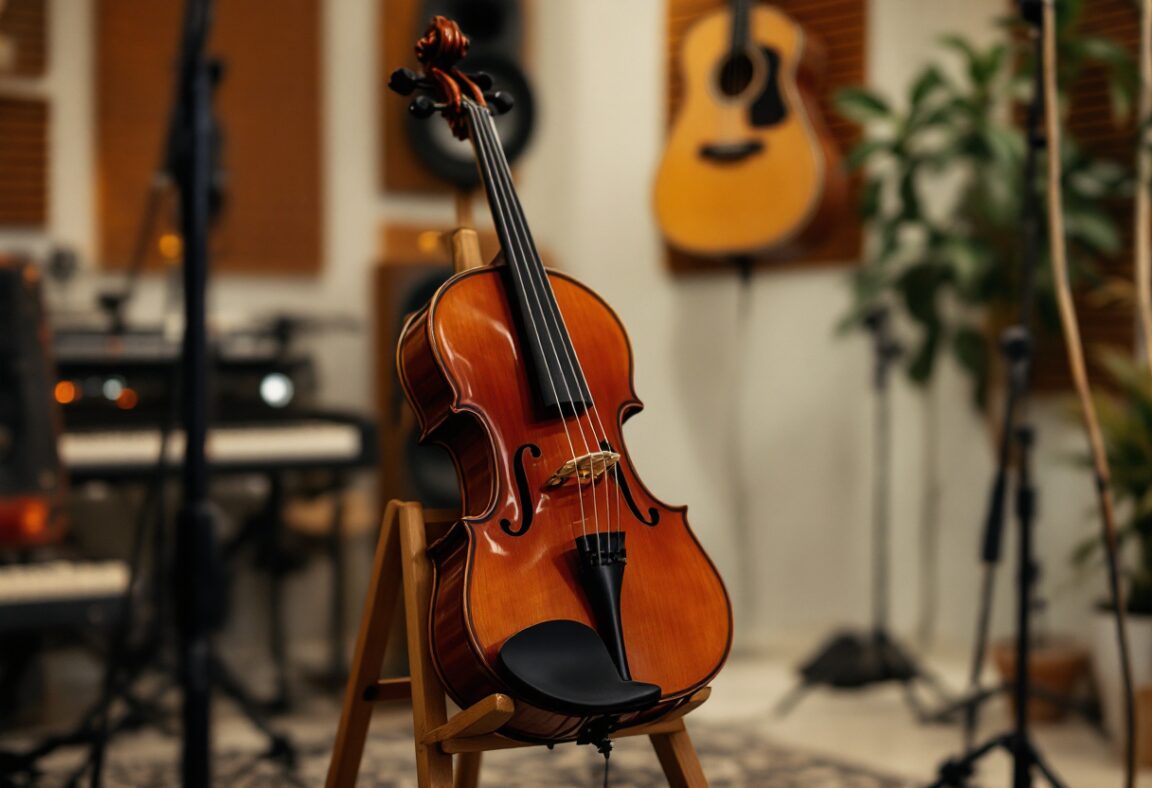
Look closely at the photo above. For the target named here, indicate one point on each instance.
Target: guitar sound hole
(736, 74)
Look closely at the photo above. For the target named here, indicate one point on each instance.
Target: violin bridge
(588, 468)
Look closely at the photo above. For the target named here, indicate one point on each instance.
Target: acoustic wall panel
(269, 109)
(23, 162)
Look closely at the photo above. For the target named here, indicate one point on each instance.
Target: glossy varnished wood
(775, 203)
(463, 368)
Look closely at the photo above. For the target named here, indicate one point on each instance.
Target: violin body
(749, 168)
(510, 562)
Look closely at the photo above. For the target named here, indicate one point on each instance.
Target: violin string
(483, 147)
(522, 235)
(552, 312)
(573, 359)
(526, 247)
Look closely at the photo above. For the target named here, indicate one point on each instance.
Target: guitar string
(523, 235)
(487, 160)
(553, 313)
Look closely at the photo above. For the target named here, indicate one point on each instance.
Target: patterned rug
(730, 757)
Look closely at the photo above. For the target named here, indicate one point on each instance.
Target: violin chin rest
(564, 666)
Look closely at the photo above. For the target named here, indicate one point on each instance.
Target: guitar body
(511, 563)
(749, 168)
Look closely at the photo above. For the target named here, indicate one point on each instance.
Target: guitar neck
(740, 9)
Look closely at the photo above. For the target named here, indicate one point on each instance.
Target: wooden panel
(24, 26)
(269, 108)
(400, 169)
(839, 29)
(1090, 122)
(23, 162)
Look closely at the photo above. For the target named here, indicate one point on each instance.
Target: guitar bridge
(590, 467)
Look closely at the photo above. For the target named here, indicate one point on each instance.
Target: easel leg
(678, 759)
(374, 627)
(429, 710)
(467, 770)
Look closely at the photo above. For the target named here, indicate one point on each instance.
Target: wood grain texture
(463, 370)
(24, 23)
(269, 107)
(839, 29)
(24, 162)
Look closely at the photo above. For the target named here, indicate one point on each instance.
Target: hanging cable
(1076, 362)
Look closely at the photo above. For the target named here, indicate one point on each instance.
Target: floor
(873, 728)
(876, 728)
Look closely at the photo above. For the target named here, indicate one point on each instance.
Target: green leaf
(985, 68)
(928, 82)
(862, 105)
(959, 44)
(865, 151)
(1103, 50)
(924, 360)
(909, 197)
(971, 351)
(870, 196)
(919, 286)
(1093, 228)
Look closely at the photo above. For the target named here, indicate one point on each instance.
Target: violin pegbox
(443, 86)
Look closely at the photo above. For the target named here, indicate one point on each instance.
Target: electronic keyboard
(317, 442)
(60, 593)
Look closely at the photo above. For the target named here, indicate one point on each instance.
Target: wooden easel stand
(402, 571)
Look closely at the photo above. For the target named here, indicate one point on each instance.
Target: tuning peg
(483, 80)
(423, 107)
(500, 102)
(404, 81)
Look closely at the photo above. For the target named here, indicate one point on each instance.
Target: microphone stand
(197, 572)
(1016, 345)
(856, 659)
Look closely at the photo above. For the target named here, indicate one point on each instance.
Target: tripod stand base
(853, 660)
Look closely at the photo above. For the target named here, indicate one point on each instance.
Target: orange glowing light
(25, 520)
(128, 399)
(171, 246)
(34, 520)
(65, 392)
(428, 242)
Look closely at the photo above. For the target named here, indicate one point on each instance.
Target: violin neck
(558, 379)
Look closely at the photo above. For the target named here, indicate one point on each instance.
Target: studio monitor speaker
(422, 155)
(30, 478)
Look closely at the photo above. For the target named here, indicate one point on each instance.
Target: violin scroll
(443, 85)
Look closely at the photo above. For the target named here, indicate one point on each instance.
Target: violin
(565, 584)
(750, 169)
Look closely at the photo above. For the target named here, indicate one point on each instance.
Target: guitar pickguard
(769, 108)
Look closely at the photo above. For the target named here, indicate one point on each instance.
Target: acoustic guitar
(749, 168)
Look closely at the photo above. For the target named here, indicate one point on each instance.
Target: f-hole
(524, 493)
(622, 482)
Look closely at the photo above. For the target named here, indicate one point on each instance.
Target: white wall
(773, 419)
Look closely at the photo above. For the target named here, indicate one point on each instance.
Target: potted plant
(943, 180)
(1126, 425)
(942, 191)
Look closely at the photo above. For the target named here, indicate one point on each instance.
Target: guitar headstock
(442, 86)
